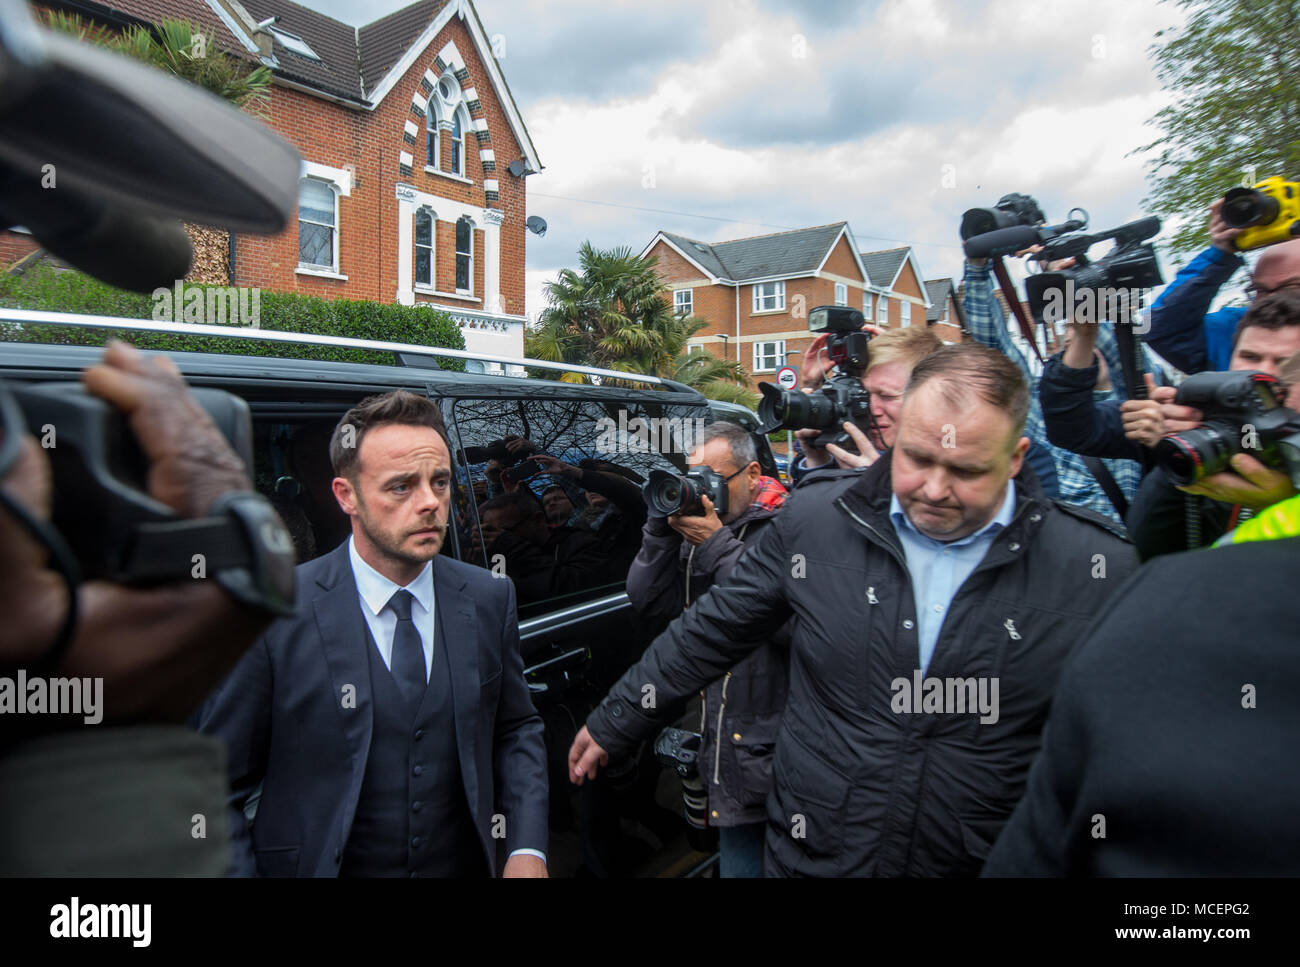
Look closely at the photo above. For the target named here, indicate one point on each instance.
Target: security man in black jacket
(934, 603)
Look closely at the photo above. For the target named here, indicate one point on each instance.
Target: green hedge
(51, 290)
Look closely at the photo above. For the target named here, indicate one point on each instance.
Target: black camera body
(842, 399)
(496, 450)
(668, 493)
(1243, 412)
(101, 505)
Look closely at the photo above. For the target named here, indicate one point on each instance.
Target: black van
(574, 645)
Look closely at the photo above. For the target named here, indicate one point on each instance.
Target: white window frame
(433, 248)
(841, 294)
(866, 306)
(458, 164)
(470, 255)
(778, 357)
(433, 152)
(679, 303)
(334, 229)
(883, 304)
(777, 295)
(904, 313)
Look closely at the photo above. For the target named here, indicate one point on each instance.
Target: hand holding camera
(697, 528)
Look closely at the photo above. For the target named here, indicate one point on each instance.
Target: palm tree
(185, 51)
(614, 313)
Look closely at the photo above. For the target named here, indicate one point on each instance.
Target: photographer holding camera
(683, 555)
(120, 798)
(1183, 330)
(932, 561)
(893, 354)
(1158, 519)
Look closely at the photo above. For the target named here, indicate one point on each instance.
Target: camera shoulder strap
(1017, 308)
(1108, 484)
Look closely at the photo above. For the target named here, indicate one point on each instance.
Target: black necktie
(407, 663)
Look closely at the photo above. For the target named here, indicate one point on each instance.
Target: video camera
(1243, 412)
(842, 399)
(1016, 223)
(1270, 212)
(179, 154)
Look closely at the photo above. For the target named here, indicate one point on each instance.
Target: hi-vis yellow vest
(1277, 522)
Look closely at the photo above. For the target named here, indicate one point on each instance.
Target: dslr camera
(842, 399)
(1270, 212)
(668, 493)
(518, 466)
(1243, 412)
(679, 750)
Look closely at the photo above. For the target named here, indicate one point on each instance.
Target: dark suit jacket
(296, 714)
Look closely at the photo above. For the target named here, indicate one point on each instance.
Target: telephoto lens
(1189, 456)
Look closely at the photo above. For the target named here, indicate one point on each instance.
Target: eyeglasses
(1255, 290)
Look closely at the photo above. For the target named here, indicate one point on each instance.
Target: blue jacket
(1182, 331)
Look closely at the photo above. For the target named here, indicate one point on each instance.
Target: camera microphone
(1002, 241)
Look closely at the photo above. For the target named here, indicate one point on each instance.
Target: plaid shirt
(987, 325)
(771, 494)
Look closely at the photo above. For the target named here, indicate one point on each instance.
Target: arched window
(424, 247)
(457, 144)
(434, 160)
(464, 255)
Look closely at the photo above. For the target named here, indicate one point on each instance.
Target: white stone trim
(490, 184)
(410, 128)
(341, 178)
(470, 94)
(448, 175)
(480, 124)
(420, 102)
(319, 273)
(406, 159)
(487, 154)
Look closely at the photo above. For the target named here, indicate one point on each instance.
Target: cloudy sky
(719, 119)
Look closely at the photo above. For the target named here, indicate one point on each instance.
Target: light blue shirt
(375, 590)
(939, 568)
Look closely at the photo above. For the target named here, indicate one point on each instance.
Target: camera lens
(1195, 454)
(1244, 207)
(667, 493)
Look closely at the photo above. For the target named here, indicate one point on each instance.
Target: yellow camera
(1270, 212)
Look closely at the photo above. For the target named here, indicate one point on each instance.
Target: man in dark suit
(387, 724)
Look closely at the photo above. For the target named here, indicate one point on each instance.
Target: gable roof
(882, 267)
(357, 65)
(940, 291)
(801, 251)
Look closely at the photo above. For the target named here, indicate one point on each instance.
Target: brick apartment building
(415, 156)
(755, 293)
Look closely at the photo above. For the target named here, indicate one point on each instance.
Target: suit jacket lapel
(457, 634)
(344, 638)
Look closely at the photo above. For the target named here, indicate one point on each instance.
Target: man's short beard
(384, 545)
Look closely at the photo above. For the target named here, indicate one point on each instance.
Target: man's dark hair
(965, 368)
(401, 407)
(523, 503)
(556, 487)
(741, 443)
(1274, 312)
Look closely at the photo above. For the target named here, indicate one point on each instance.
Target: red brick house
(415, 156)
(755, 293)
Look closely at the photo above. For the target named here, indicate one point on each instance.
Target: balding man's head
(1278, 267)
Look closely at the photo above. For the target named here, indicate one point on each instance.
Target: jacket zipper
(717, 737)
